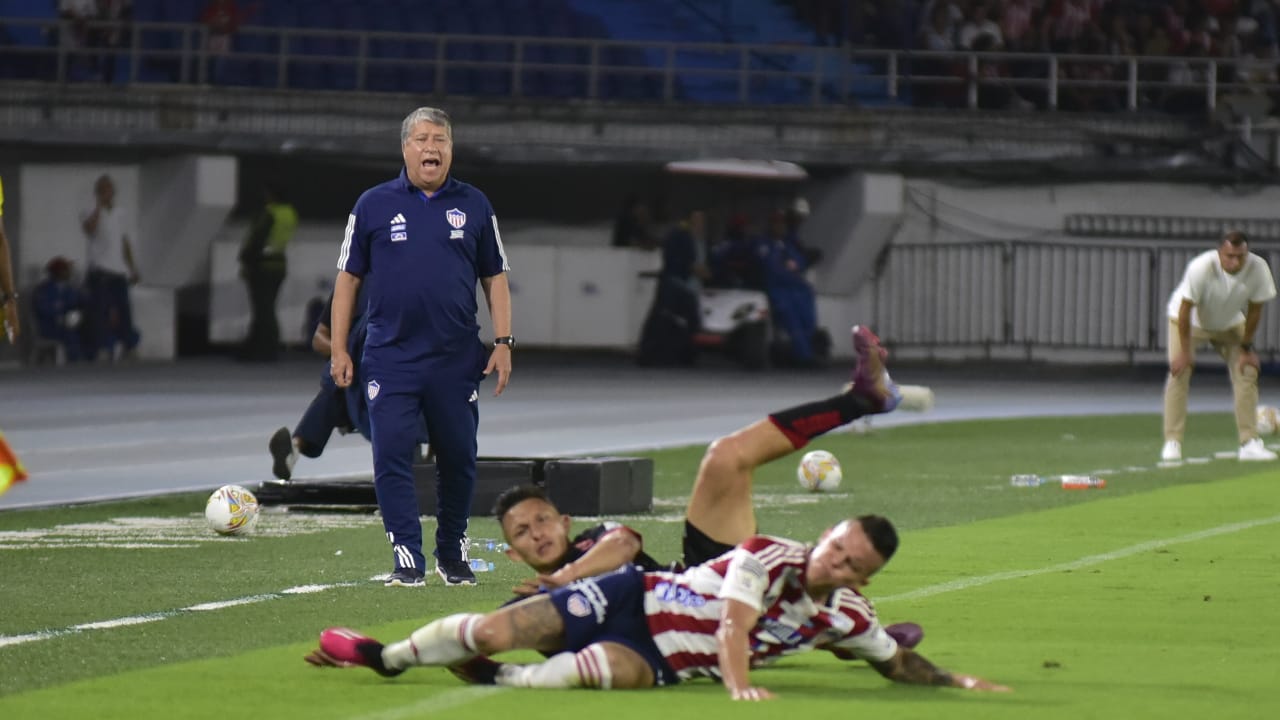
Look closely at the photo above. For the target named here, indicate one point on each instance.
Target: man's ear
(566, 521)
(512, 555)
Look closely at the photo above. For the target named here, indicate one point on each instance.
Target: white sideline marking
(6, 640)
(966, 583)
(444, 702)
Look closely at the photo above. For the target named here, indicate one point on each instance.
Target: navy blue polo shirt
(420, 258)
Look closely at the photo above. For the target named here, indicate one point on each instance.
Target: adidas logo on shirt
(398, 226)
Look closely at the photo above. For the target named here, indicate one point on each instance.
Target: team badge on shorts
(456, 217)
(374, 387)
(577, 606)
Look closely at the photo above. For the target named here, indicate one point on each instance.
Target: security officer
(424, 239)
(263, 266)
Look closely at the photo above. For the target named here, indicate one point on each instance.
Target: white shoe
(1172, 451)
(1255, 450)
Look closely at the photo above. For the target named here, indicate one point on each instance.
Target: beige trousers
(1244, 383)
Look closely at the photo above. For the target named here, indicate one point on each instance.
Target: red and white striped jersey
(683, 610)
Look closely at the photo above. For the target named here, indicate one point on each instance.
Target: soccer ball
(231, 510)
(1268, 420)
(819, 471)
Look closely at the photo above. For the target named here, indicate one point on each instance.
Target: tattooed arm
(909, 666)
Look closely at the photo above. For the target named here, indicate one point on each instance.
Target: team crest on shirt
(456, 217)
(577, 605)
(373, 387)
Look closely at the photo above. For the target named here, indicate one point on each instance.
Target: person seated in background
(667, 336)
(735, 261)
(791, 298)
(635, 226)
(58, 307)
(796, 215)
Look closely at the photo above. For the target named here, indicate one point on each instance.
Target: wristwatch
(1247, 347)
(507, 340)
(5, 297)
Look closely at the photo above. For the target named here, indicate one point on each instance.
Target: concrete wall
(172, 209)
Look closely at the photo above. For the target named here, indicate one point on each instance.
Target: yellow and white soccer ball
(231, 510)
(819, 471)
(1268, 420)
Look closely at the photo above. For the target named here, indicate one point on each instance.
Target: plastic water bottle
(488, 545)
(1082, 482)
(480, 565)
(1026, 481)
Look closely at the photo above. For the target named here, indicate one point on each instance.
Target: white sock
(441, 642)
(587, 669)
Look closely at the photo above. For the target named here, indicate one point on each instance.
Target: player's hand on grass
(970, 682)
(751, 694)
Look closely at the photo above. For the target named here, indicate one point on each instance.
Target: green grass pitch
(1152, 598)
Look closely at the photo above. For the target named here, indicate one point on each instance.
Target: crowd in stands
(1243, 33)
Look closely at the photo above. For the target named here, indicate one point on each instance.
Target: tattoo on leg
(535, 624)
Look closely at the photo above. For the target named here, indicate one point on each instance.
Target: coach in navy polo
(422, 241)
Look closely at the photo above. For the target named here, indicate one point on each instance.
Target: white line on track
(927, 591)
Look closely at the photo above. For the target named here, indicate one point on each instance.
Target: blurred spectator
(1263, 15)
(979, 23)
(1119, 40)
(796, 214)
(1187, 78)
(113, 34)
(791, 299)
(635, 225)
(58, 307)
(263, 266)
(1082, 89)
(111, 272)
(1177, 15)
(1070, 18)
(735, 261)
(1016, 24)
(994, 92)
(74, 35)
(673, 319)
(222, 19)
(938, 32)
(684, 252)
(938, 35)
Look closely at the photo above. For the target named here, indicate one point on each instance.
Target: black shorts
(698, 548)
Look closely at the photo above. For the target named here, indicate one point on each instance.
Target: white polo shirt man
(1219, 302)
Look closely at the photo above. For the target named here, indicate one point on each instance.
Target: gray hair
(435, 116)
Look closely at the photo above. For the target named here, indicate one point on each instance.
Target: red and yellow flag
(11, 470)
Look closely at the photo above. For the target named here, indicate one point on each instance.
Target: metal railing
(605, 69)
(1039, 295)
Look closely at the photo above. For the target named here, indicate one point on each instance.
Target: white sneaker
(1172, 451)
(1255, 450)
